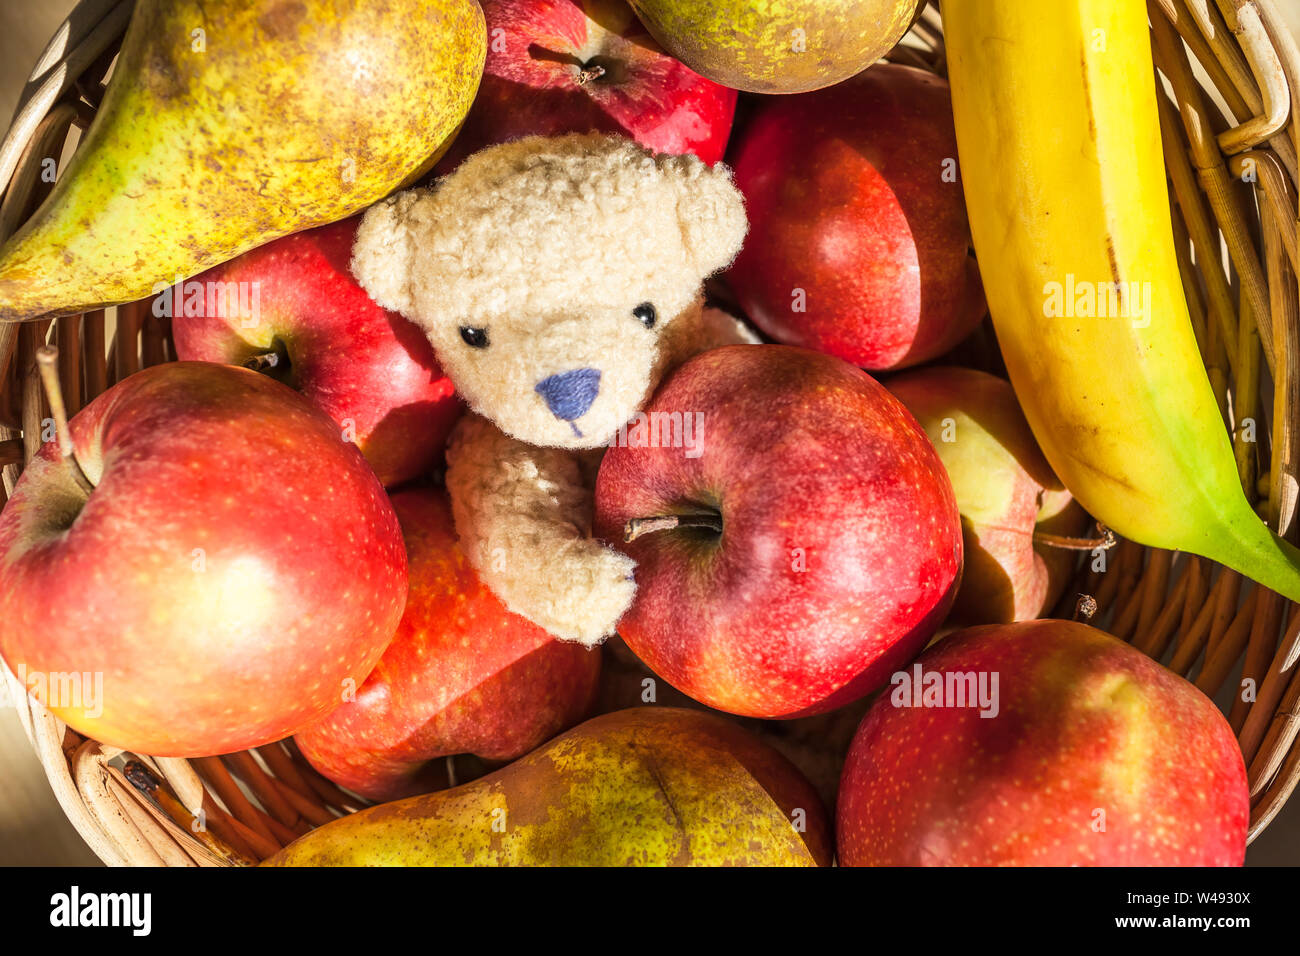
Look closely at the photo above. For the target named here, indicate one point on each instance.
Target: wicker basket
(1230, 90)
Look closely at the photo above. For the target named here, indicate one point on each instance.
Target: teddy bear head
(545, 272)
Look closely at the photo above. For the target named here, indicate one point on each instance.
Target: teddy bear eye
(474, 338)
(646, 313)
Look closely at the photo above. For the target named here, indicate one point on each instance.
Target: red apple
(817, 544)
(1009, 499)
(372, 371)
(578, 66)
(858, 243)
(234, 563)
(463, 675)
(1082, 751)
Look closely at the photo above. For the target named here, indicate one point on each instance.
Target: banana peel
(1059, 143)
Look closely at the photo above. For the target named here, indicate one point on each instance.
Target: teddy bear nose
(569, 394)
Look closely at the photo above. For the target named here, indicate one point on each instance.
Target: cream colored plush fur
(545, 247)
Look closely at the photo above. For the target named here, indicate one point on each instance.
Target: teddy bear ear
(384, 248)
(711, 210)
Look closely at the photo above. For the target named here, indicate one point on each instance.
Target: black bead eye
(474, 338)
(646, 313)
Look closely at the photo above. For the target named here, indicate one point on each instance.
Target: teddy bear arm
(522, 515)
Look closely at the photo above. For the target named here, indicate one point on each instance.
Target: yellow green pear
(651, 786)
(777, 46)
(228, 123)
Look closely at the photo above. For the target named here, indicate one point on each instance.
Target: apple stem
(1105, 542)
(639, 526)
(589, 73)
(263, 362)
(1085, 608)
(47, 357)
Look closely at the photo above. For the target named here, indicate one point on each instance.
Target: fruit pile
(524, 458)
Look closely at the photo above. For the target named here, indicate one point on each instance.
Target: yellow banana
(1059, 143)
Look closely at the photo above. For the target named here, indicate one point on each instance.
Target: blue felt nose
(569, 394)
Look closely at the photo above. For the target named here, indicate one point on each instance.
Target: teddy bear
(558, 280)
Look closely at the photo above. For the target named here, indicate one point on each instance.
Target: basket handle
(62, 64)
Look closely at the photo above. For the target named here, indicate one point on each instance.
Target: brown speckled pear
(650, 786)
(777, 46)
(228, 123)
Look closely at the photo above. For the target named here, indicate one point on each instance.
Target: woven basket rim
(1170, 606)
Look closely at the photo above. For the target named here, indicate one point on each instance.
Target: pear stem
(47, 357)
(1105, 542)
(636, 527)
(1085, 608)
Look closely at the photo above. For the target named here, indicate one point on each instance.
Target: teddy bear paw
(595, 604)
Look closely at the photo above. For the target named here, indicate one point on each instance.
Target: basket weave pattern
(1229, 84)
